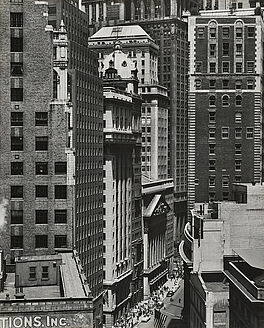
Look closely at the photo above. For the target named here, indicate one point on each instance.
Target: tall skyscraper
(51, 135)
(123, 248)
(225, 102)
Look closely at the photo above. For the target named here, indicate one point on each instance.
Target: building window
(211, 133)
(238, 133)
(61, 192)
(32, 273)
(16, 94)
(16, 19)
(238, 84)
(16, 69)
(198, 83)
(198, 67)
(212, 101)
(212, 84)
(225, 101)
(60, 241)
(225, 84)
(226, 67)
(239, 32)
(41, 143)
(238, 67)
(60, 216)
(16, 119)
(250, 84)
(16, 191)
(16, 143)
(41, 191)
(213, 50)
(238, 118)
(250, 133)
(16, 44)
(212, 117)
(238, 178)
(16, 168)
(17, 242)
(238, 164)
(212, 32)
(239, 100)
(212, 165)
(239, 50)
(61, 168)
(41, 168)
(211, 196)
(211, 181)
(41, 216)
(238, 149)
(240, 5)
(200, 32)
(45, 273)
(16, 216)
(41, 241)
(225, 132)
(250, 67)
(225, 49)
(251, 31)
(41, 118)
(225, 32)
(225, 195)
(225, 181)
(211, 149)
(212, 67)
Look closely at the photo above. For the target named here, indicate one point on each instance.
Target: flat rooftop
(215, 282)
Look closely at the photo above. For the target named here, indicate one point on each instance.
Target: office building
(232, 4)
(51, 137)
(45, 291)
(217, 230)
(123, 246)
(225, 125)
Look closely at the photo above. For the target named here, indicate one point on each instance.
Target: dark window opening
(16, 168)
(41, 118)
(41, 168)
(16, 119)
(16, 143)
(41, 143)
(42, 191)
(41, 241)
(32, 273)
(16, 191)
(16, 19)
(60, 241)
(60, 216)
(16, 94)
(16, 44)
(16, 69)
(45, 273)
(16, 241)
(41, 217)
(60, 167)
(16, 216)
(61, 192)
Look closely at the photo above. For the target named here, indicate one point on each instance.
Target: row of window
(41, 119)
(250, 67)
(40, 191)
(41, 216)
(225, 133)
(212, 164)
(225, 50)
(225, 84)
(225, 100)
(41, 241)
(238, 149)
(225, 180)
(226, 32)
(41, 168)
(41, 143)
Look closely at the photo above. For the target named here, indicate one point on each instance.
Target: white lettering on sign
(32, 322)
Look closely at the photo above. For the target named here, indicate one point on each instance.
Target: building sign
(35, 321)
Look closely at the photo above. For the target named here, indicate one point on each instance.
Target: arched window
(225, 101)
(212, 100)
(238, 100)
